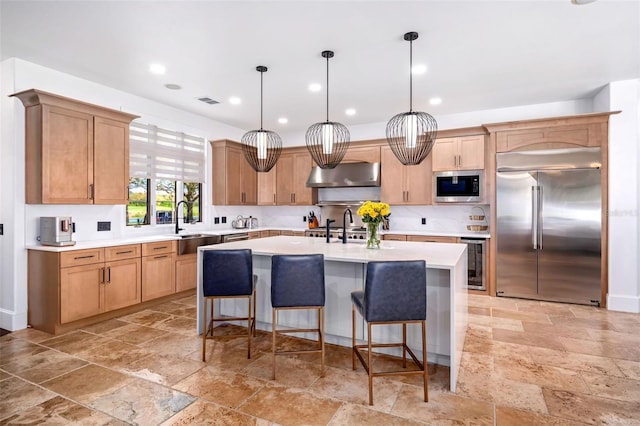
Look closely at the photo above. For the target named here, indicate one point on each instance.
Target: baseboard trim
(623, 303)
(9, 320)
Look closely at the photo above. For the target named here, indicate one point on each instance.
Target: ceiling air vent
(207, 100)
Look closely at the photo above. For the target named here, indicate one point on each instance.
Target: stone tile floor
(524, 363)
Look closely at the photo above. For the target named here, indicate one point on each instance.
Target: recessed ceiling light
(234, 100)
(435, 101)
(582, 1)
(350, 111)
(283, 120)
(158, 69)
(419, 69)
(172, 86)
(315, 87)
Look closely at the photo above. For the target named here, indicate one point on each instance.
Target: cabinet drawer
(81, 257)
(394, 237)
(160, 247)
(432, 239)
(122, 252)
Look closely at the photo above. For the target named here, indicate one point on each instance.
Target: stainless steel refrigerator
(549, 217)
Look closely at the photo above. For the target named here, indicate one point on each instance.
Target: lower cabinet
(186, 272)
(158, 277)
(421, 238)
(74, 285)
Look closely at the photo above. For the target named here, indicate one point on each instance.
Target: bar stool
(297, 282)
(228, 274)
(395, 293)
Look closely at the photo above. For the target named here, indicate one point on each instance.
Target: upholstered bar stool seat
(228, 274)
(297, 282)
(395, 293)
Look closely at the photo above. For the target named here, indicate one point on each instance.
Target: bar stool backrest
(227, 272)
(396, 291)
(297, 280)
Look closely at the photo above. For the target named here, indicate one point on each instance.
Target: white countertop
(437, 255)
(165, 237)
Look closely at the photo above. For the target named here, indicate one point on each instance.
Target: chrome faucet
(344, 224)
(178, 229)
(329, 222)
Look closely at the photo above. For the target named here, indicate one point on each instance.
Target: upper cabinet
(404, 184)
(362, 153)
(267, 188)
(75, 152)
(234, 180)
(292, 171)
(585, 130)
(458, 153)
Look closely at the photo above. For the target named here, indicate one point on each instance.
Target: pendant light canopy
(411, 135)
(261, 148)
(327, 141)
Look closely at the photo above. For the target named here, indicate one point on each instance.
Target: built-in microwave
(458, 186)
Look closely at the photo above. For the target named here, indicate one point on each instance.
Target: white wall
(624, 188)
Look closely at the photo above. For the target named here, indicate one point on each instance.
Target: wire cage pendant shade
(261, 148)
(327, 141)
(411, 135)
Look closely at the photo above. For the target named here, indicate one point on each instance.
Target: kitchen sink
(188, 244)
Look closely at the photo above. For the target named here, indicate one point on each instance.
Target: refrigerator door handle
(534, 217)
(540, 226)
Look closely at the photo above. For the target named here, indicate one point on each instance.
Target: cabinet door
(432, 239)
(445, 154)
(67, 157)
(122, 283)
(471, 153)
(418, 180)
(394, 237)
(81, 292)
(111, 162)
(368, 154)
(186, 272)
(249, 183)
(267, 188)
(157, 276)
(301, 169)
(284, 180)
(392, 190)
(233, 187)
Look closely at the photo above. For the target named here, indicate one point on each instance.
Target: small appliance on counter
(56, 231)
(244, 222)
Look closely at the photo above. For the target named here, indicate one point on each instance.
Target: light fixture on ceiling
(582, 1)
(327, 141)
(261, 148)
(411, 135)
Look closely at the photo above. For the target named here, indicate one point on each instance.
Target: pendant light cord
(410, 75)
(261, 75)
(327, 89)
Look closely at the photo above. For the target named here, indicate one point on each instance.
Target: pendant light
(327, 141)
(261, 148)
(411, 135)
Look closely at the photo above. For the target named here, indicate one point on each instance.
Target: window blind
(158, 153)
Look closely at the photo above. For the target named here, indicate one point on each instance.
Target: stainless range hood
(345, 175)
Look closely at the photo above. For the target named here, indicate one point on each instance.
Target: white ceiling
(480, 54)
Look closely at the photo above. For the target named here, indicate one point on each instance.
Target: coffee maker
(56, 231)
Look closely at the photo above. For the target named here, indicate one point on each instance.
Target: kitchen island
(345, 266)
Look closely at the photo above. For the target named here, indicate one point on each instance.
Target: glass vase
(373, 239)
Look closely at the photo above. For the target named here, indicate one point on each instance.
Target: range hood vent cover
(345, 175)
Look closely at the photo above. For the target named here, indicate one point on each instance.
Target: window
(138, 207)
(163, 165)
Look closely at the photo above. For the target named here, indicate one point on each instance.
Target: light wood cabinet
(458, 153)
(394, 237)
(75, 152)
(78, 284)
(292, 171)
(234, 180)
(186, 272)
(409, 185)
(267, 188)
(158, 261)
(432, 239)
(362, 153)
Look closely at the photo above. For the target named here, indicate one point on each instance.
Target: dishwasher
(228, 238)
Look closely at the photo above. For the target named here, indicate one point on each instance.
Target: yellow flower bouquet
(373, 213)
